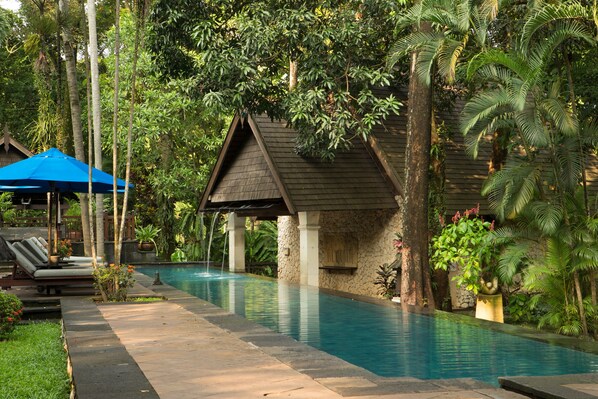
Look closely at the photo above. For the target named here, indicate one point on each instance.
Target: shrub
(114, 281)
(467, 243)
(11, 310)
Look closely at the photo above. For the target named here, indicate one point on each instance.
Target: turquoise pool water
(381, 339)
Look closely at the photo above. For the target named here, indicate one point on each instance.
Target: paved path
(188, 348)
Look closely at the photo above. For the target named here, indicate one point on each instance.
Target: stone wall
(372, 232)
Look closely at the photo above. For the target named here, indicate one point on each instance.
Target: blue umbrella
(53, 171)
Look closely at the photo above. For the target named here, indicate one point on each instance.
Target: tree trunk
(292, 74)
(96, 110)
(165, 200)
(117, 237)
(582, 313)
(75, 106)
(415, 278)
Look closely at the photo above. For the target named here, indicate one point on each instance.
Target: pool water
(381, 339)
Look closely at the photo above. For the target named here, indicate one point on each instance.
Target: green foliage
(176, 138)
(7, 211)
(466, 242)
(386, 280)
(261, 242)
(521, 308)
(457, 25)
(552, 237)
(178, 256)
(238, 55)
(11, 309)
(193, 232)
(114, 281)
(18, 98)
(34, 363)
(146, 233)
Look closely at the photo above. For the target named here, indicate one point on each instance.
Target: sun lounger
(25, 273)
(43, 245)
(39, 259)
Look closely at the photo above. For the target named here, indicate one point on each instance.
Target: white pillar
(309, 248)
(236, 243)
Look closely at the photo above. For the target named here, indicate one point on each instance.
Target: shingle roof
(464, 175)
(351, 181)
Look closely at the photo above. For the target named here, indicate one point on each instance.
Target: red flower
(10, 319)
(456, 218)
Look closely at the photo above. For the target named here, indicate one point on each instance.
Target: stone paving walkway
(188, 348)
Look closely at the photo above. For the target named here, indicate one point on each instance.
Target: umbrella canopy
(54, 171)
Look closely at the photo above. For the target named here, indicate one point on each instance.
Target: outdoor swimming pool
(381, 339)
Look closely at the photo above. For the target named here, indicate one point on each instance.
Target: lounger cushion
(23, 261)
(71, 272)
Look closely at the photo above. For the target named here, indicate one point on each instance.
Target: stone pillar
(309, 248)
(236, 243)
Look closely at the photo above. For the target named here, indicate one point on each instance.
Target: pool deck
(188, 348)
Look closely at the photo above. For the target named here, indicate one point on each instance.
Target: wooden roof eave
(273, 169)
(379, 155)
(10, 141)
(219, 162)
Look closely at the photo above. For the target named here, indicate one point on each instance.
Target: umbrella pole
(57, 220)
(49, 226)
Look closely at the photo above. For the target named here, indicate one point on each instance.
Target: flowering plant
(64, 248)
(466, 242)
(114, 281)
(11, 310)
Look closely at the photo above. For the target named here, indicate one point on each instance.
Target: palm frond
(547, 15)
(412, 42)
(448, 56)
(482, 108)
(531, 127)
(548, 216)
(512, 61)
(512, 188)
(570, 164)
(565, 30)
(512, 259)
(564, 120)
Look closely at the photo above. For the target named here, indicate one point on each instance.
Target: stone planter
(460, 297)
(146, 246)
(489, 307)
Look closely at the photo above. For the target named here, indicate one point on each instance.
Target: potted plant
(466, 244)
(146, 236)
(64, 248)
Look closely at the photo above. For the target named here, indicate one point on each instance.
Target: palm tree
(545, 168)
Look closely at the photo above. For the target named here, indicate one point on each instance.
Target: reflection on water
(381, 339)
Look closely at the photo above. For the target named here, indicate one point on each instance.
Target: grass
(33, 363)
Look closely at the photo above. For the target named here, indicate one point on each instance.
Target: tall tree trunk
(579, 294)
(75, 106)
(139, 36)
(96, 111)
(416, 287)
(117, 238)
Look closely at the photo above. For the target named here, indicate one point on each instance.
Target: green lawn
(33, 363)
